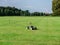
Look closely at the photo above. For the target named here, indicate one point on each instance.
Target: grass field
(13, 31)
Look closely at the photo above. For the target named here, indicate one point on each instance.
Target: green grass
(13, 31)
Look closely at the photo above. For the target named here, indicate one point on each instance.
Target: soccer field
(13, 31)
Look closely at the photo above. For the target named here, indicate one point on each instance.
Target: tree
(27, 13)
(56, 7)
(12, 11)
(36, 14)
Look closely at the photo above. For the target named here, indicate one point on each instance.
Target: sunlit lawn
(13, 31)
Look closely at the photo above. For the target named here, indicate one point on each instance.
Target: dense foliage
(56, 7)
(12, 11)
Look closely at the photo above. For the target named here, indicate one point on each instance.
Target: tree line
(13, 11)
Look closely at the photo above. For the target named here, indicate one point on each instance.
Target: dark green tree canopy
(13, 11)
(56, 7)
